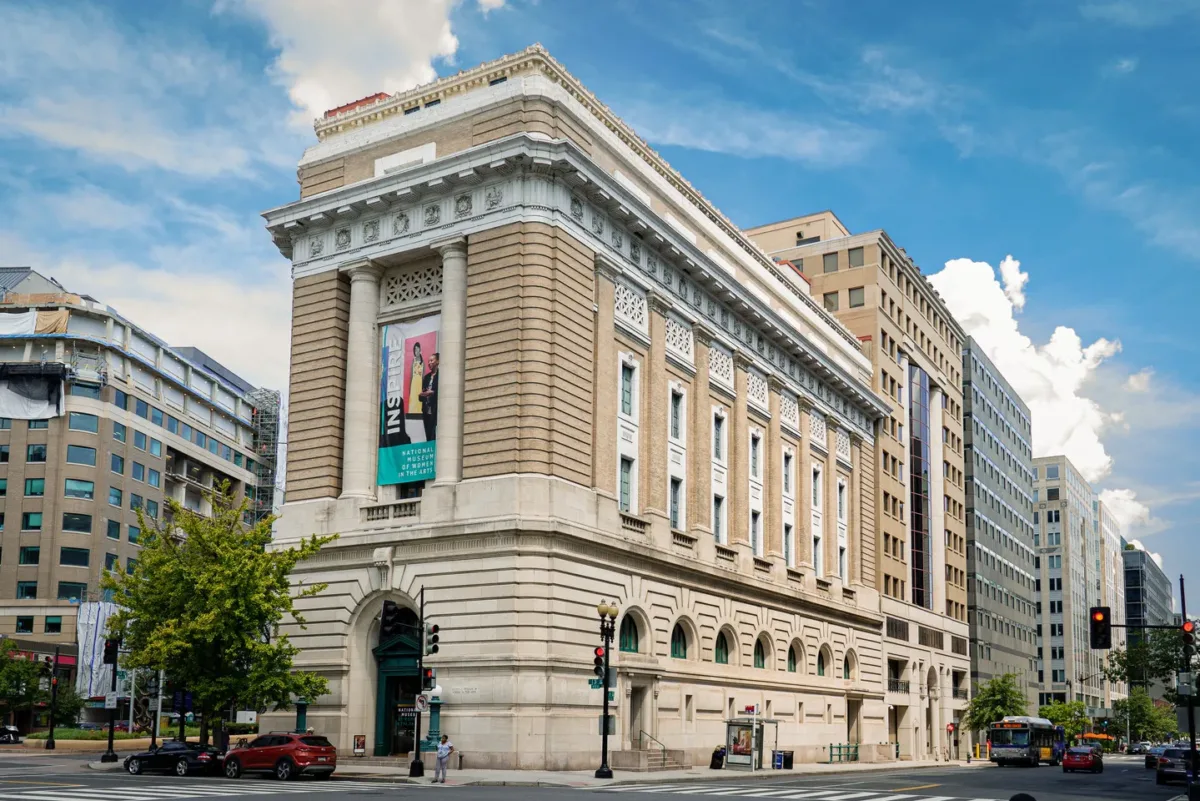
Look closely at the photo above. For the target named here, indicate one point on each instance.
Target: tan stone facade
(652, 413)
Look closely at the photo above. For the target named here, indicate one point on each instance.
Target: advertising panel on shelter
(408, 408)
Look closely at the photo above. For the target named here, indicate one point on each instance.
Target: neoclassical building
(534, 369)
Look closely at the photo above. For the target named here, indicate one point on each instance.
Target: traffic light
(1101, 628)
(110, 651)
(389, 621)
(1189, 632)
(598, 661)
(428, 678)
(431, 638)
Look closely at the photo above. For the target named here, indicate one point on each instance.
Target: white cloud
(1014, 282)
(1140, 381)
(1049, 377)
(490, 5)
(1134, 516)
(1158, 560)
(1139, 13)
(331, 54)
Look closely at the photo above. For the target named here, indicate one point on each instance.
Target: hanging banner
(408, 402)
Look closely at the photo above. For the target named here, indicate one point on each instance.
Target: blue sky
(140, 142)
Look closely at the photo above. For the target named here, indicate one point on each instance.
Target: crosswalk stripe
(811, 794)
(850, 796)
(894, 798)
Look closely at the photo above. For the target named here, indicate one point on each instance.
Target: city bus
(1023, 740)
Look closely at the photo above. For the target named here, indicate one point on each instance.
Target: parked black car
(1173, 766)
(9, 734)
(176, 757)
(1152, 755)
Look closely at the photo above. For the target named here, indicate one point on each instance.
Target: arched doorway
(399, 683)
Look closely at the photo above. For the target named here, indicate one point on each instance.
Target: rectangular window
(789, 550)
(119, 432)
(829, 262)
(676, 489)
(787, 472)
(858, 297)
(72, 591)
(78, 421)
(114, 496)
(756, 532)
(718, 437)
(117, 464)
(111, 561)
(31, 521)
(130, 565)
(29, 555)
(185, 431)
(135, 534)
(156, 416)
(676, 414)
(114, 529)
(35, 487)
(138, 473)
(139, 440)
(841, 502)
(4, 454)
(1052, 493)
(818, 556)
(135, 501)
(5, 423)
(156, 448)
(26, 590)
(856, 257)
(75, 488)
(152, 509)
(78, 454)
(1051, 471)
(153, 478)
(626, 483)
(74, 557)
(754, 445)
(121, 400)
(25, 624)
(33, 453)
(816, 489)
(718, 525)
(73, 521)
(39, 425)
(141, 408)
(53, 625)
(3, 487)
(86, 391)
(831, 301)
(626, 389)
(172, 425)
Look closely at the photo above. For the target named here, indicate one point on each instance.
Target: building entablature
(523, 178)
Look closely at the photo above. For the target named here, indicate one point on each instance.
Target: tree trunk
(204, 728)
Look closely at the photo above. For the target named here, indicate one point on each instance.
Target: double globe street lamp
(608, 624)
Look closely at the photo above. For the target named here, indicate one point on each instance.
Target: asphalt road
(66, 778)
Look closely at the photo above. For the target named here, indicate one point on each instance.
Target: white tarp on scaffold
(93, 678)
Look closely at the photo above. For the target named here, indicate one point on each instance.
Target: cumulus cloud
(1140, 381)
(328, 57)
(1134, 516)
(1049, 377)
(1158, 560)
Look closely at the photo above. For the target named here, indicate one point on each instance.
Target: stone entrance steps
(648, 761)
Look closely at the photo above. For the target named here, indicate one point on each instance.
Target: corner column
(830, 516)
(452, 355)
(362, 355)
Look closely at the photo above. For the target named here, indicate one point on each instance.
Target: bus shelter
(745, 741)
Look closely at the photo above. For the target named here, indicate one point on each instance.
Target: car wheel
(181, 767)
(285, 770)
(233, 769)
(134, 766)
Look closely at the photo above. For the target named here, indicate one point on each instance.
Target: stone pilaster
(654, 413)
(804, 533)
(830, 518)
(701, 439)
(452, 360)
(773, 478)
(739, 461)
(604, 440)
(361, 411)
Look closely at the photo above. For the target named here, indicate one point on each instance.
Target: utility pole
(1191, 705)
(417, 768)
(53, 698)
(111, 651)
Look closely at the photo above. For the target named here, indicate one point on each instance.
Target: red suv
(284, 754)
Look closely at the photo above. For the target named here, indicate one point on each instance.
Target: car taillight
(1164, 761)
(204, 757)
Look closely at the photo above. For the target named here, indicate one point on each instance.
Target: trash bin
(788, 759)
(777, 760)
(718, 759)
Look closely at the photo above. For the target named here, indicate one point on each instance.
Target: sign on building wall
(409, 401)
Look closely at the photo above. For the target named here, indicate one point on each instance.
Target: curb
(106, 767)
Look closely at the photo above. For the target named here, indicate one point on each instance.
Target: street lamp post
(608, 622)
(53, 699)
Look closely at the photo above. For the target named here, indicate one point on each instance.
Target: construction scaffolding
(265, 422)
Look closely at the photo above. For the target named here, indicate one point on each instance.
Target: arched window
(721, 650)
(821, 663)
(629, 635)
(760, 655)
(846, 668)
(792, 660)
(678, 642)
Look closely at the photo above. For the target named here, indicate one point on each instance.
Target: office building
(533, 369)
(1002, 578)
(1149, 594)
(98, 418)
(915, 347)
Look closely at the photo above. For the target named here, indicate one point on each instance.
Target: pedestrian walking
(444, 749)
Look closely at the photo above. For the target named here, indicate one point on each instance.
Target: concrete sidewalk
(550, 778)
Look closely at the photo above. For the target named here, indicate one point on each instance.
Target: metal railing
(961, 693)
(897, 686)
(843, 753)
(643, 736)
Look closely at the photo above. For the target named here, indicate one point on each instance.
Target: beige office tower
(915, 347)
(533, 371)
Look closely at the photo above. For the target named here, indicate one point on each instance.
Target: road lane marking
(919, 787)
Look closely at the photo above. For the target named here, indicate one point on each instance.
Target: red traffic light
(1098, 615)
(599, 652)
(1188, 627)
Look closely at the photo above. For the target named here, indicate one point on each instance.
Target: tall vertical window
(756, 532)
(676, 415)
(842, 561)
(718, 521)
(718, 437)
(818, 557)
(627, 389)
(626, 483)
(789, 546)
(676, 489)
(841, 502)
(755, 441)
(787, 472)
(816, 489)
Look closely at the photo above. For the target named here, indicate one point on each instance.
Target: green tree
(204, 603)
(993, 700)
(1155, 657)
(67, 705)
(1142, 718)
(1071, 715)
(20, 681)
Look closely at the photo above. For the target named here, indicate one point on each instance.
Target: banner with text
(408, 401)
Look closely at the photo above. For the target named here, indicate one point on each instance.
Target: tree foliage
(25, 685)
(204, 603)
(1071, 715)
(993, 700)
(1142, 718)
(1155, 657)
